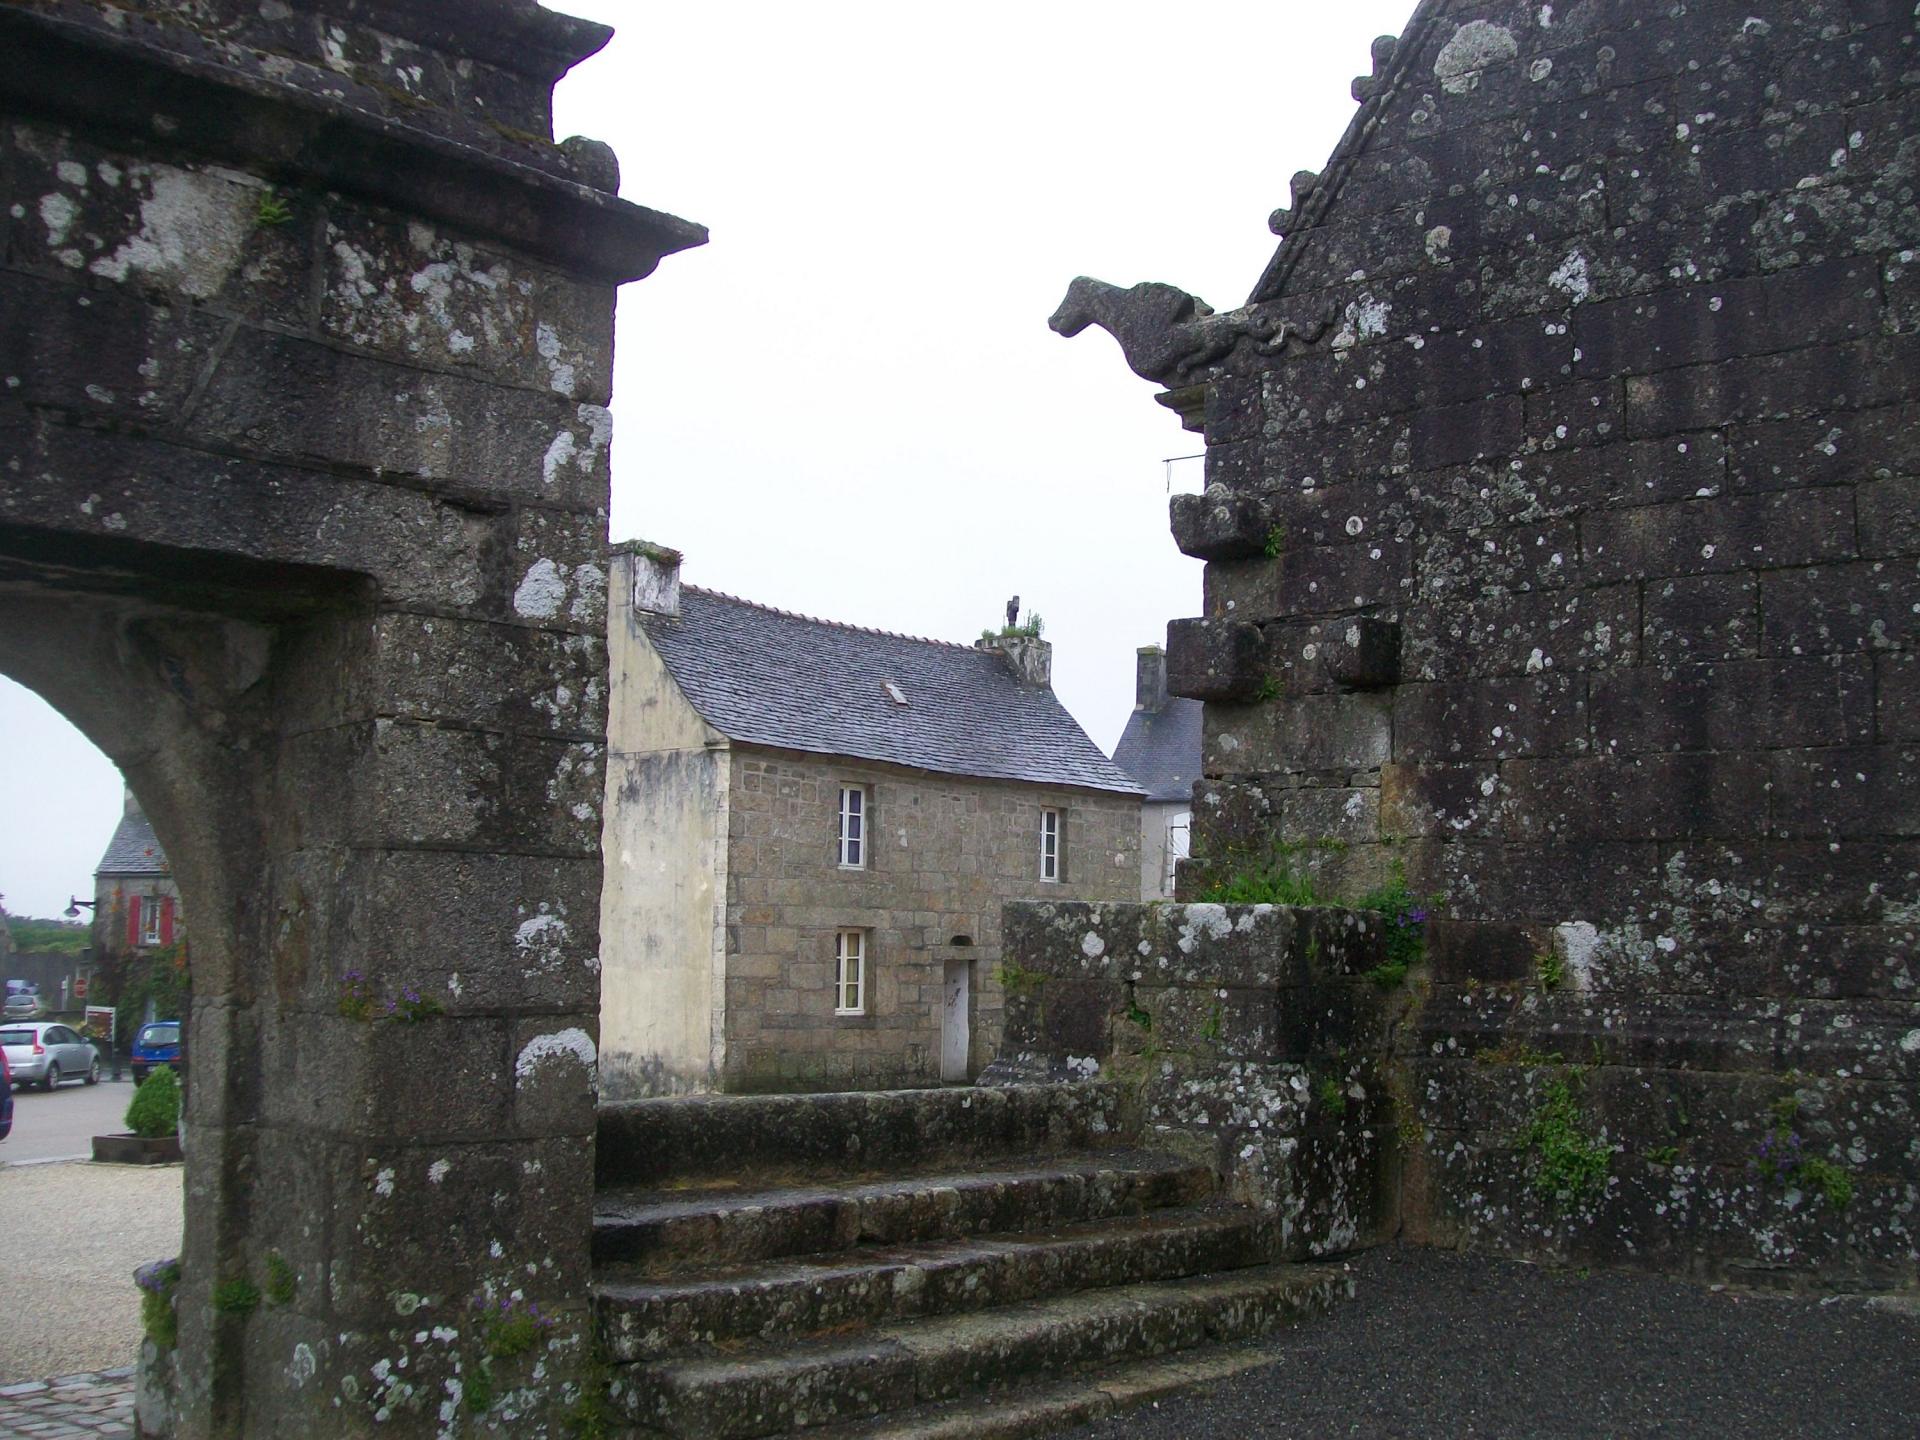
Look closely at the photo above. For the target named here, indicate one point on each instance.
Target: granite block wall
(1562, 556)
(305, 334)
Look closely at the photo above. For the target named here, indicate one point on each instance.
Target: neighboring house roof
(1161, 749)
(770, 677)
(134, 850)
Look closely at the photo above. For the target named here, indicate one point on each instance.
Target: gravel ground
(1440, 1345)
(74, 1233)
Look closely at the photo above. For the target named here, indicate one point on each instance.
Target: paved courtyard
(91, 1405)
(75, 1232)
(1439, 1345)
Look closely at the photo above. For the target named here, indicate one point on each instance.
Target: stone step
(1047, 1407)
(651, 1142)
(641, 1318)
(664, 1231)
(770, 1388)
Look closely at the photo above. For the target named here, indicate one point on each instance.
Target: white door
(953, 1022)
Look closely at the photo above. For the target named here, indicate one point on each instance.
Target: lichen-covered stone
(305, 340)
(1609, 424)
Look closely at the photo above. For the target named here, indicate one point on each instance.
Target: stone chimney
(1150, 679)
(1028, 656)
(656, 576)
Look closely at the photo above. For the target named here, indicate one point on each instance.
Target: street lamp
(72, 911)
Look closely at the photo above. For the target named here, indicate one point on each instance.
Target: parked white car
(23, 1005)
(45, 1054)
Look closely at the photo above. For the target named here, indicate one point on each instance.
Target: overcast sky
(848, 403)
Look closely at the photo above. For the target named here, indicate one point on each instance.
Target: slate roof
(1161, 749)
(133, 850)
(770, 677)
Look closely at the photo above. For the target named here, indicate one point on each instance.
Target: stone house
(136, 900)
(810, 830)
(1160, 750)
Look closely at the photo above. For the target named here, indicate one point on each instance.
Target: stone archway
(305, 343)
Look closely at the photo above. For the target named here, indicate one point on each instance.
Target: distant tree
(59, 937)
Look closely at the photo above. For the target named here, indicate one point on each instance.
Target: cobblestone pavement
(94, 1406)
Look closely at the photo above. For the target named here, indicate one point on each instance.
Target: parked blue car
(156, 1043)
(6, 1097)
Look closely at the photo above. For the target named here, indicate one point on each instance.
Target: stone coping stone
(732, 1136)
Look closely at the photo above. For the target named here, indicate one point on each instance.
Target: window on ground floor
(850, 972)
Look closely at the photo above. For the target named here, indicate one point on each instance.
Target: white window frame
(849, 955)
(150, 919)
(1179, 845)
(855, 832)
(1050, 845)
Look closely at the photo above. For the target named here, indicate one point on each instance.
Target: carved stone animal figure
(1163, 331)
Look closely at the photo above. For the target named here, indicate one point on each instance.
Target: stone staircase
(964, 1261)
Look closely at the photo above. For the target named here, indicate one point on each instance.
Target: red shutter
(166, 920)
(133, 920)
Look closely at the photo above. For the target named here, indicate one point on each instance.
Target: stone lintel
(516, 192)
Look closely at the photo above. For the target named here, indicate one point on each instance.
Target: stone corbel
(1223, 661)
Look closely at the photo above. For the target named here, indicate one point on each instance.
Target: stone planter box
(136, 1150)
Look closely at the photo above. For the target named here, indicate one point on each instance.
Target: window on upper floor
(850, 972)
(1179, 846)
(853, 827)
(1050, 866)
(150, 909)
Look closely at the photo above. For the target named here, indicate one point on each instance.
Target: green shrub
(154, 1112)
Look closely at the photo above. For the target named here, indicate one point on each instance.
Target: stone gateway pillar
(305, 349)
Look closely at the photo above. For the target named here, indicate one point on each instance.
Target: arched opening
(78, 1230)
(197, 677)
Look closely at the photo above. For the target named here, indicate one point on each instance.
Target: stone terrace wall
(1564, 549)
(1250, 1034)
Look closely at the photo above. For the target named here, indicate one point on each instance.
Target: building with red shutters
(136, 902)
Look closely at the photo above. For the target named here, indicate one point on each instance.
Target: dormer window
(853, 827)
(894, 692)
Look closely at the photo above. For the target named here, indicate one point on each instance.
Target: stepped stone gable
(1562, 549)
(305, 335)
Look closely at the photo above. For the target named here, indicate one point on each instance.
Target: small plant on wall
(1569, 1165)
(1780, 1158)
(157, 1283)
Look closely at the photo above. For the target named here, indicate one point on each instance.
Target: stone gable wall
(1564, 553)
(946, 851)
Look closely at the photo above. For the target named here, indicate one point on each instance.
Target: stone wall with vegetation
(944, 852)
(1252, 1035)
(1564, 566)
